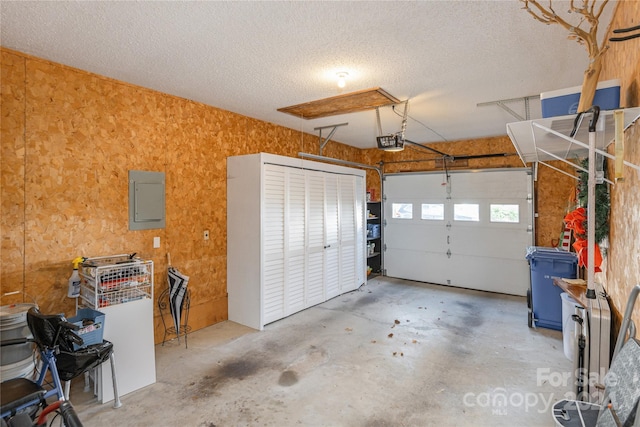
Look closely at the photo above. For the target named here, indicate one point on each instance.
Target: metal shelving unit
(547, 139)
(122, 289)
(114, 280)
(374, 237)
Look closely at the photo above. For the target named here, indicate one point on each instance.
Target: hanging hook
(625, 30)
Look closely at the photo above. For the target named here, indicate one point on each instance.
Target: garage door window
(466, 212)
(402, 210)
(432, 211)
(505, 213)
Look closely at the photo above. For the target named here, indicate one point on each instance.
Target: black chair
(54, 338)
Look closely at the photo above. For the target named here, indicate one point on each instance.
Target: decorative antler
(588, 12)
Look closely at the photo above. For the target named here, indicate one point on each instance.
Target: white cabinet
(295, 235)
(122, 288)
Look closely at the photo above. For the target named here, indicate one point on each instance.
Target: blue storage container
(545, 301)
(373, 231)
(91, 324)
(565, 101)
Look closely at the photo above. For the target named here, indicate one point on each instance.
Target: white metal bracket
(324, 142)
(502, 104)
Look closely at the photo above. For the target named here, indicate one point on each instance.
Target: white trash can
(568, 324)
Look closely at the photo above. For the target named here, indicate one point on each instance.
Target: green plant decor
(602, 201)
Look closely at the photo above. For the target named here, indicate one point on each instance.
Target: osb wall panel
(12, 156)
(622, 268)
(84, 132)
(621, 59)
(199, 139)
(622, 265)
(554, 198)
(83, 135)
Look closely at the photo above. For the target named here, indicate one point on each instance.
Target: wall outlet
(206, 234)
(156, 242)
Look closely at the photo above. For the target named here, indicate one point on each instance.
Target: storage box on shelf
(374, 238)
(565, 101)
(107, 282)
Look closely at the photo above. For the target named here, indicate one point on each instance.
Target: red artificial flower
(575, 221)
(581, 248)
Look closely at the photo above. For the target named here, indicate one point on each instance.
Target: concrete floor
(394, 353)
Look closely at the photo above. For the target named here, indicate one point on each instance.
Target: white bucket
(568, 324)
(15, 360)
(23, 369)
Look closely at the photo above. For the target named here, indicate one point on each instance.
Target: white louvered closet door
(315, 238)
(332, 233)
(360, 227)
(296, 235)
(273, 226)
(295, 218)
(348, 276)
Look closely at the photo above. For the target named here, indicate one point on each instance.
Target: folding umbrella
(177, 291)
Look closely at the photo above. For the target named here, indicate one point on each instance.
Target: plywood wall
(12, 178)
(621, 58)
(554, 198)
(622, 265)
(70, 137)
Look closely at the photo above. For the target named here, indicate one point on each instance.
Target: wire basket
(113, 280)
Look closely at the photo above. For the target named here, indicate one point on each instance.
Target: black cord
(57, 414)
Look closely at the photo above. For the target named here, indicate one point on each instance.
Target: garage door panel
(495, 184)
(483, 274)
(416, 185)
(485, 253)
(413, 265)
(510, 244)
(417, 238)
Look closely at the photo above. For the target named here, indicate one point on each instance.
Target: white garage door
(471, 230)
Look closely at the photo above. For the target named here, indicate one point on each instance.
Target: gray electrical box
(146, 200)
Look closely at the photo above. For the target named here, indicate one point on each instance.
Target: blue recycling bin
(545, 303)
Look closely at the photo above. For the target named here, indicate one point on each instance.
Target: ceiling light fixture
(342, 79)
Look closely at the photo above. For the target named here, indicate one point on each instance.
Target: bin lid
(568, 298)
(14, 314)
(550, 253)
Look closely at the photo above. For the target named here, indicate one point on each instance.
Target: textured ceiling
(255, 57)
